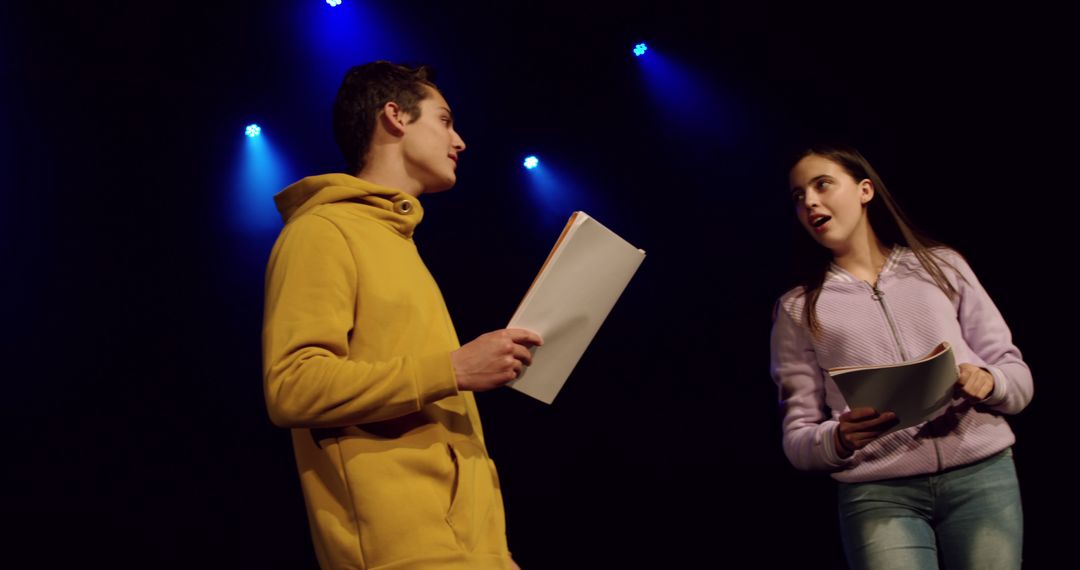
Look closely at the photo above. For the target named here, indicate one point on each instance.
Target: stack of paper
(913, 390)
(584, 275)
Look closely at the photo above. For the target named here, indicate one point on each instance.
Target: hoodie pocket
(473, 500)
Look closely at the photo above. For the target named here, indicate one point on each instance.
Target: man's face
(431, 145)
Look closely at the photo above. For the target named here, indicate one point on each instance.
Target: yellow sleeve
(309, 378)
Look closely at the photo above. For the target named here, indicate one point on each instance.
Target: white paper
(582, 279)
(914, 390)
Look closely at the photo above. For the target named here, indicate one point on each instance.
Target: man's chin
(441, 186)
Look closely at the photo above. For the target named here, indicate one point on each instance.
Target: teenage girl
(877, 292)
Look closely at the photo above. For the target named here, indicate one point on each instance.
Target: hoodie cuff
(997, 395)
(434, 377)
(832, 455)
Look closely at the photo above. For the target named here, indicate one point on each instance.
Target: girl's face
(829, 203)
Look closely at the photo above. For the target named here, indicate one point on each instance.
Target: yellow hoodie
(356, 359)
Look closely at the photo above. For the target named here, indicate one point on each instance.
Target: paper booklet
(914, 390)
(577, 286)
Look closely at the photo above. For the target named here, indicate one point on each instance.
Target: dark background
(132, 271)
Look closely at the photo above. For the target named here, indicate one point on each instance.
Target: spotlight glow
(333, 2)
(253, 130)
(531, 162)
(640, 49)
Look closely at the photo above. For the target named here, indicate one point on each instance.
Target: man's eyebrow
(448, 112)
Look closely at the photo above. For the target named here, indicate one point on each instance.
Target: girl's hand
(859, 427)
(975, 383)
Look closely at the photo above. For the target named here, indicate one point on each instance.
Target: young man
(360, 357)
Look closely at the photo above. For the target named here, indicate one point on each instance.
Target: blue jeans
(968, 517)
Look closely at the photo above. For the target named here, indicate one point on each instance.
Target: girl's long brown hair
(887, 221)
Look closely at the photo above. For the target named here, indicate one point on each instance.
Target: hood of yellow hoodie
(395, 208)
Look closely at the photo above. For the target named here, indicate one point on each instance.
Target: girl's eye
(821, 184)
(798, 195)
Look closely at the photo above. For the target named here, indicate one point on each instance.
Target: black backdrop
(132, 297)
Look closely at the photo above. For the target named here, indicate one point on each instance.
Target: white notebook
(915, 390)
(584, 275)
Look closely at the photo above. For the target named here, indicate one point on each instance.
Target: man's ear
(394, 118)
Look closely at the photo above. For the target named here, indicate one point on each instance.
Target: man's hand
(859, 427)
(493, 359)
(975, 383)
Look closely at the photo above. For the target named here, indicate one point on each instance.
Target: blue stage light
(531, 162)
(333, 2)
(640, 49)
(260, 170)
